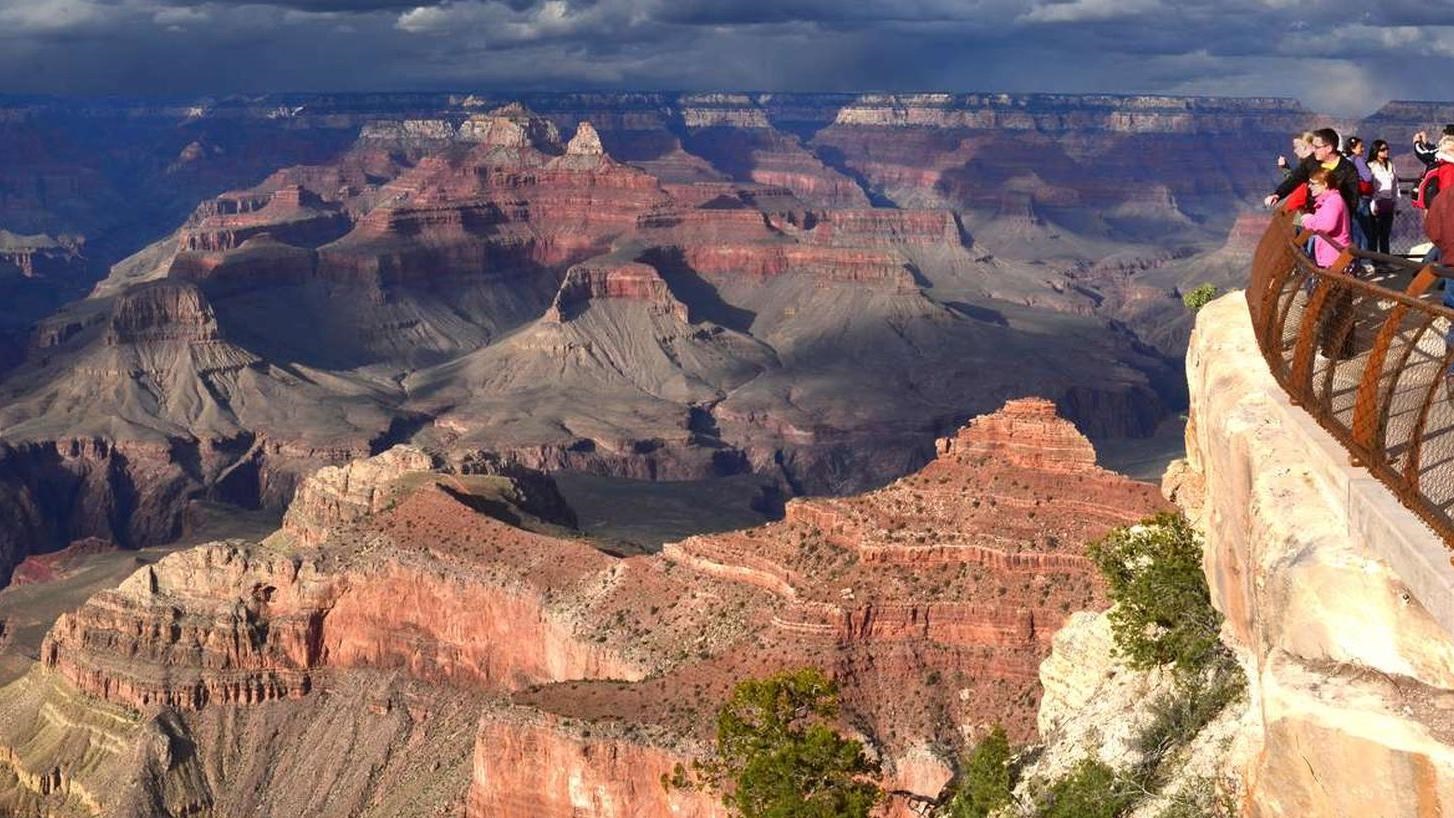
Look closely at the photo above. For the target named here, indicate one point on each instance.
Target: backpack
(1439, 177)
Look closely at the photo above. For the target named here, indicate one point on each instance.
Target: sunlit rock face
(1350, 674)
(397, 597)
(656, 288)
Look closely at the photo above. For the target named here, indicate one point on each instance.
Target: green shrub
(1199, 798)
(1089, 790)
(778, 756)
(1200, 296)
(1163, 613)
(1164, 617)
(1179, 714)
(987, 780)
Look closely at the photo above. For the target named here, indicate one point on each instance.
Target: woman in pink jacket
(1329, 218)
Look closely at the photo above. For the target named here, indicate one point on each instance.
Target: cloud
(1352, 54)
(1074, 11)
(40, 17)
(180, 16)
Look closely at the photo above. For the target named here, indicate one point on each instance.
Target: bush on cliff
(1163, 613)
(1090, 790)
(1164, 617)
(987, 780)
(778, 755)
(1200, 296)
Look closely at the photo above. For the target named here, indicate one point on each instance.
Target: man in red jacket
(1439, 227)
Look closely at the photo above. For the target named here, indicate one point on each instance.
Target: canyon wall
(1336, 597)
(810, 287)
(443, 634)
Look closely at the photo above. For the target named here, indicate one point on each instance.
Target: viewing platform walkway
(1367, 354)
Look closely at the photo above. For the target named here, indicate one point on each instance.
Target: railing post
(1395, 422)
(1307, 338)
(1368, 417)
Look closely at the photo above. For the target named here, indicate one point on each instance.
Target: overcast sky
(1338, 56)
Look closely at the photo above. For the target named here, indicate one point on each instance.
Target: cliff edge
(1335, 596)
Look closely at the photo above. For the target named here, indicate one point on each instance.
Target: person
(1343, 177)
(1302, 148)
(1385, 195)
(1439, 227)
(1426, 151)
(1329, 220)
(1362, 211)
(1437, 176)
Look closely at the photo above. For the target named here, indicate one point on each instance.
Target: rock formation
(1335, 596)
(479, 288)
(338, 495)
(396, 595)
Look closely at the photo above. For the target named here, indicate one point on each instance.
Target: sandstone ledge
(1320, 573)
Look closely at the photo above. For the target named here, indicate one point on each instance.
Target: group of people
(1349, 198)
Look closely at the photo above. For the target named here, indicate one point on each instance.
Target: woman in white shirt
(1385, 195)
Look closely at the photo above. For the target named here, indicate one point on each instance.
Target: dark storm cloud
(1335, 54)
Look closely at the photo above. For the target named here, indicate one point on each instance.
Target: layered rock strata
(641, 300)
(927, 599)
(395, 595)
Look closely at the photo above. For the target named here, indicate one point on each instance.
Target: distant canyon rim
(209, 300)
(454, 455)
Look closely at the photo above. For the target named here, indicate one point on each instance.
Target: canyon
(293, 405)
(647, 288)
(440, 641)
(806, 288)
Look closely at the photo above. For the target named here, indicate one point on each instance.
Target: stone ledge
(1336, 598)
(1372, 514)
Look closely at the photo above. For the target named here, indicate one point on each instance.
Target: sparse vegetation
(1178, 715)
(1163, 618)
(777, 754)
(1090, 790)
(987, 781)
(1163, 613)
(1200, 296)
(1200, 798)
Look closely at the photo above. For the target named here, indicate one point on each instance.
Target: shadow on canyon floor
(635, 516)
(27, 612)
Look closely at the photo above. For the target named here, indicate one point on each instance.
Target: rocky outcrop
(40, 256)
(1126, 114)
(293, 215)
(239, 624)
(930, 641)
(1006, 492)
(396, 594)
(596, 280)
(1329, 588)
(528, 764)
(217, 624)
(165, 311)
(1096, 706)
(43, 568)
(827, 264)
(338, 495)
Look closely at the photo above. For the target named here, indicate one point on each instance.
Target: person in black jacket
(1426, 151)
(1343, 175)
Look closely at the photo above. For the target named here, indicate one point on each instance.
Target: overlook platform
(1365, 347)
(1338, 599)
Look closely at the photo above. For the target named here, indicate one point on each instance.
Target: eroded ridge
(395, 592)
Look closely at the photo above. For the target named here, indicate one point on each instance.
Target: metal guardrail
(1367, 354)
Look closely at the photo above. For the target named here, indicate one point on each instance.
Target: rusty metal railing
(1366, 347)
